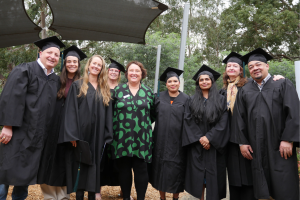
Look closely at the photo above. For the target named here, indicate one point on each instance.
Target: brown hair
(103, 90)
(64, 77)
(144, 71)
(241, 83)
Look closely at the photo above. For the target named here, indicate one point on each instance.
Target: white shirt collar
(44, 68)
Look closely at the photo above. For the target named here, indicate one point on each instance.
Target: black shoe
(79, 197)
(175, 198)
(92, 197)
(126, 198)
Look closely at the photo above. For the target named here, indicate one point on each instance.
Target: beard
(259, 77)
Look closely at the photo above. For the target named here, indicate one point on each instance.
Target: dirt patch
(107, 192)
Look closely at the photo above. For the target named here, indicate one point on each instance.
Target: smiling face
(95, 66)
(233, 70)
(113, 73)
(72, 64)
(258, 70)
(173, 84)
(50, 57)
(134, 74)
(205, 82)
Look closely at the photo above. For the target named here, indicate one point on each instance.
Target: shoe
(175, 198)
(91, 196)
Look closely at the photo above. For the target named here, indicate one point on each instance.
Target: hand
(204, 141)
(278, 77)
(245, 151)
(286, 149)
(74, 144)
(6, 134)
(98, 196)
(207, 147)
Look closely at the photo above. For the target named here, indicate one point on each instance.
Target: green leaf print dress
(132, 123)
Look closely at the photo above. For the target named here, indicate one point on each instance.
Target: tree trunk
(43, 19)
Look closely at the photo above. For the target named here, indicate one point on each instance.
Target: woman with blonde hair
(109, 171)
(88, 126)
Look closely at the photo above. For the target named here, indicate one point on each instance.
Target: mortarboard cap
(206, 70)
(170, 72)
(74, 51)
(115, 64)
(257, 55)
(83, 153)
(234, 57)
(49, 42)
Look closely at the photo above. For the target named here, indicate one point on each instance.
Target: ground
(108, 193)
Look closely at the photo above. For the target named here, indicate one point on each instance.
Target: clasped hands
(204, 142)
(6, 134)
(285, 148)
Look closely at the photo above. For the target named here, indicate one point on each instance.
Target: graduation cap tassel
(62, 61)
(77, 178)
(244, 69)
(158, 86)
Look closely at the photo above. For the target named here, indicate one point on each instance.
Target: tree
(270, 24)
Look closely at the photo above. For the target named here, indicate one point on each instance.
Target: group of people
(76, 134)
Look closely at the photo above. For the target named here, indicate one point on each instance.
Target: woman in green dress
(132, 139)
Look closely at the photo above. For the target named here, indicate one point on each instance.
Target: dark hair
(144, 71)
(241, 83)
(213, 106)
(64, 77)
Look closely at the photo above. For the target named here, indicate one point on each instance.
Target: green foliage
(214, 31)
(285, 68)
(270, 24)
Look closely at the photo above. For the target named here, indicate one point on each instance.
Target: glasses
(114, 71)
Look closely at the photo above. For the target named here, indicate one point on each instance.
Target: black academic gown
(168, 163)
(263, 119)
(52, 169)
(209, 164)
(86, 119)
(238, 167)
(109, 169)
(26, 103)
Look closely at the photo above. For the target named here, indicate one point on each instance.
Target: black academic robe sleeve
(71, 122)
(108, 133)
(153, 108)
(189, 126)
(219, 135)
(291, 113)
(13, 97)
(239, 127)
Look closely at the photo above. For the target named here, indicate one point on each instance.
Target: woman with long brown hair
(52, 170)
(88, 126)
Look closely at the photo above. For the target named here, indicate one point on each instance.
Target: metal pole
(157, 69)
(297, 76)
(183, 35)
(184, 30)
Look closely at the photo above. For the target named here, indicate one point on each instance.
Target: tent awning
(16, 28)
(104, 20)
